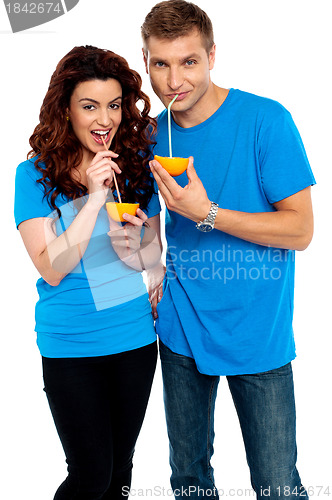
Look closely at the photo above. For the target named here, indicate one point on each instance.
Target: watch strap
(210, 218)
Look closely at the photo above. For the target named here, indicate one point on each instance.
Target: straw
(114, 176)
(169, 124)
(119, 198)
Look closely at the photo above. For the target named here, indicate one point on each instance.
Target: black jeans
(98, 406)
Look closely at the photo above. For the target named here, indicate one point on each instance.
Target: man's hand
(191, 201)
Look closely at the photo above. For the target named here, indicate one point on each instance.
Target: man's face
(180, 66)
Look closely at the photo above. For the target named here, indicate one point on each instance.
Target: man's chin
(182, 108)
(182, 105)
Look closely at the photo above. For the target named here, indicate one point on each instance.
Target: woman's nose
(104, 118)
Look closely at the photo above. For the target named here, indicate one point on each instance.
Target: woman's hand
(139, 253)
(155, 286)
(126, 240)
(100, 176)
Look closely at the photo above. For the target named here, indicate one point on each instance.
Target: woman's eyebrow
(96, 102)
(120, 97)
(88, 99)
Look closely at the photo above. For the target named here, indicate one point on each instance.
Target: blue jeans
(266, 410)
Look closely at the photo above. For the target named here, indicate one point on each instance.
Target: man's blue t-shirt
(101, 307)
(228, 303)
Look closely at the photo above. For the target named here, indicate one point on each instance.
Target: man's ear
(212, 56)
(145, 58)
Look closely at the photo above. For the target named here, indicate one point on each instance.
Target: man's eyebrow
(96, 102)
(156, 59)
(191, 56)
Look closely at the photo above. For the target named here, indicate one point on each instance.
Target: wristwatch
(207, 224)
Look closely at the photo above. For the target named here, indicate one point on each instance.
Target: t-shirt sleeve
(29, 200)
(154, 206)
(285, 168)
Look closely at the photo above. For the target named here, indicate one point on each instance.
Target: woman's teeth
(99, 134)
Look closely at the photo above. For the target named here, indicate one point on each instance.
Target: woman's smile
(100, 135)
(95, 113)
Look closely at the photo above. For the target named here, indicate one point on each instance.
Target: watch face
(206, 228)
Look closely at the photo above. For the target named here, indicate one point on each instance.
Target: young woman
(94, 324)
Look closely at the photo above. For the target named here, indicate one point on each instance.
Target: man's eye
(160, 64)
(191, 62)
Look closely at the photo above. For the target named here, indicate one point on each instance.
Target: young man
(233, 223)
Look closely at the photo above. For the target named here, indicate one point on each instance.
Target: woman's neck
(79, 173)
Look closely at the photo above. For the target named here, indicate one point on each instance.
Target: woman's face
(95, 113)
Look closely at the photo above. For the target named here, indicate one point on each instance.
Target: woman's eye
(89, 107)
(115, 106)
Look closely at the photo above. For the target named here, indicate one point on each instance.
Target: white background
(279, 49)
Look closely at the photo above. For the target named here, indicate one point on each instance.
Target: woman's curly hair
(59, 151)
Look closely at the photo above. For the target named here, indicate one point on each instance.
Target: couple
(233, 223)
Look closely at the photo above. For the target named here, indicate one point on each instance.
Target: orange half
(174, 166)
(116, 210)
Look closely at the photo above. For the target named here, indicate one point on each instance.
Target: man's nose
(175, 78)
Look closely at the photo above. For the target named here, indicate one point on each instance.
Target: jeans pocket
(170, 357)
(284, 370)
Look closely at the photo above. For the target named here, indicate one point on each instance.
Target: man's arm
(289, 227)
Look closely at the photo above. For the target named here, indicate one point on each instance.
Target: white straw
(114, 176)
(169, 125)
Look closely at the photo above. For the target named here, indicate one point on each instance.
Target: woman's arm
(155, 275)
(137, 252)
(55, 256)
(142, 254)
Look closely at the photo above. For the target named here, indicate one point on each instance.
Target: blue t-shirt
(228, 303)
(101, 307)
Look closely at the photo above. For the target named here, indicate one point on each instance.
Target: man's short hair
(174, 18)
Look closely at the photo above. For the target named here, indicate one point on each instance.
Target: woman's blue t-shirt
(101, 307)
(228, 303)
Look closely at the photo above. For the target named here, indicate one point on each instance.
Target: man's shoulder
(162, 117)
(259, 104)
